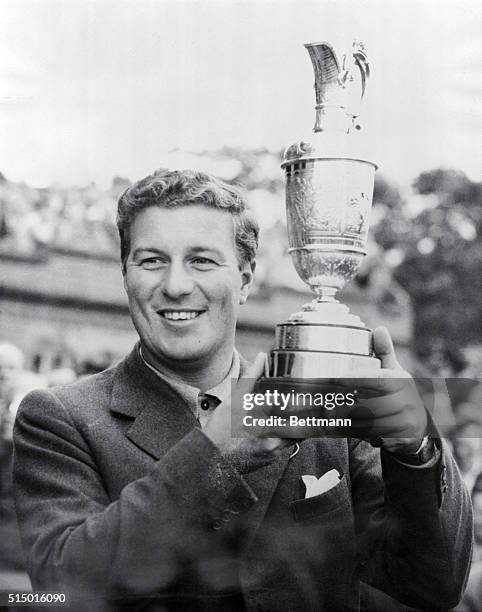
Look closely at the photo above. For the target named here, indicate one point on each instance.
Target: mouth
(180, 315)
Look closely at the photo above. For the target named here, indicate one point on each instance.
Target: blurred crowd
(457, 402)
(80, 218)
(16, 380)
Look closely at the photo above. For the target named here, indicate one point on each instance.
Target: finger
(391, 404)
(266, 365)
(383, 347)
(246, 383)
(381, 387)
(372, 385)
(385, 426)
(367, 375)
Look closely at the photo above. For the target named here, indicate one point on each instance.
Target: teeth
(180, 315)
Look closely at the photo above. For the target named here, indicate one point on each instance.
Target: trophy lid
(340, 82)
(329, 145)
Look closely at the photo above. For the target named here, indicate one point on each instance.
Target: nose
(177, 281)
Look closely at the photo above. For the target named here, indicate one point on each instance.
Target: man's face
(184, 282)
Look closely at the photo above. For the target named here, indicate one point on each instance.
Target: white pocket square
(316, 486)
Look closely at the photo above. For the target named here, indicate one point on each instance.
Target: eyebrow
(197, 249)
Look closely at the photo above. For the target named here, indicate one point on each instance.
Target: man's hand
(388, 407)
(388, 403)
(223, 427)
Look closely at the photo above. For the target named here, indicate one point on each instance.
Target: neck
(203, 375)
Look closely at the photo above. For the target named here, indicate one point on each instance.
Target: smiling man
(185, 286)
(132, 493)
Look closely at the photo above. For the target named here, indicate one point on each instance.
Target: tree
(442, 262)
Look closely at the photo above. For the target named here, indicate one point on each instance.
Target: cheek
(223, 299)
(139, 287)
(229, 298)
(228, 305)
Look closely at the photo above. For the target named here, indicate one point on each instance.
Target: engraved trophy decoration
(329, 190)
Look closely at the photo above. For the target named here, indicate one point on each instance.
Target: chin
(186, 354)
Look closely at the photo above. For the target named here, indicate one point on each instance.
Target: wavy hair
(169, 188)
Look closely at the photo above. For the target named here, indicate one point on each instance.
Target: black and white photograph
(241, 305)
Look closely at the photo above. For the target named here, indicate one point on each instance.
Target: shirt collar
(223, 389)
(189, 393)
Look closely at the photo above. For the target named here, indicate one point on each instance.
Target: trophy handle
(338, 89)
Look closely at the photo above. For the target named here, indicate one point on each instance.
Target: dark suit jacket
(121, 498)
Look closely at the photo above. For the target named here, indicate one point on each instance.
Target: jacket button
(225, 516)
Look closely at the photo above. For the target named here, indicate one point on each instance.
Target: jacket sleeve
(415, 533)
(78, 540)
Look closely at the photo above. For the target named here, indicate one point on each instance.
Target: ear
(247, 278)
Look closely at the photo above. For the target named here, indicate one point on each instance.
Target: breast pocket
(323, 504)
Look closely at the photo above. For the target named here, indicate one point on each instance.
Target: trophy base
(313, 364)
(313, 350)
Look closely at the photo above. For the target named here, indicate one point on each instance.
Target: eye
(203, 263)
(152, 263)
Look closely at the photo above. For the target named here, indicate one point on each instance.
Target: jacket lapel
(161, 416)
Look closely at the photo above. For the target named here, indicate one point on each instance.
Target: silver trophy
(329, 190)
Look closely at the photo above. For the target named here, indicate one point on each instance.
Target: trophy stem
(325, 294)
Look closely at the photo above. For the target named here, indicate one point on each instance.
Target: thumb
(247, 381)
(383, 347)
(257, 368)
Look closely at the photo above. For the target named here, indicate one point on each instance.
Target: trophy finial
(339, 87)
